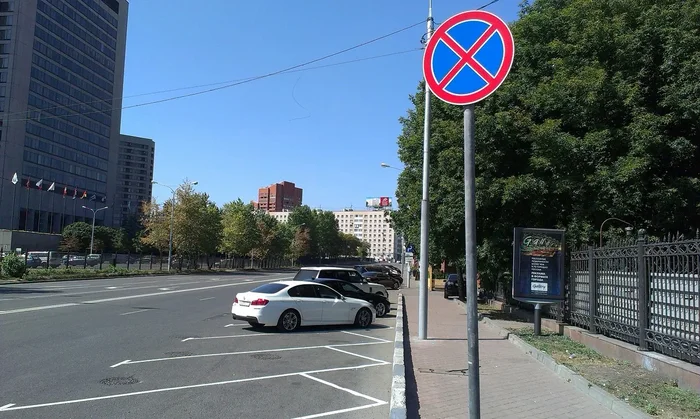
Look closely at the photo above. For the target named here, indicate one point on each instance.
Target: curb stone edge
(397, 409)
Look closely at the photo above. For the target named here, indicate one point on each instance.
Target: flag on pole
(52, 187)
(65, 191)
(84, 195)
(15, 179)
(75, 192)
(29, 183)
(104, 199)
(93, 197)
(40, 183)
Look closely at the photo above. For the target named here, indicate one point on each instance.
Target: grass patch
(645, 390)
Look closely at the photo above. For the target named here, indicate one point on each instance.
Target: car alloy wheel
(364, 318)
(381, 309)
(289, 321)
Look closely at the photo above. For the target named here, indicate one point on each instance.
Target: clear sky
(325, 129)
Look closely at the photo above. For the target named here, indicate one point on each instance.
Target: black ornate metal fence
(645, 293)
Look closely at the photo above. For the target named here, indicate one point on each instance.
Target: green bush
(13, 266)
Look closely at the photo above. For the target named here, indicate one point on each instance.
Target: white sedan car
(290, 304)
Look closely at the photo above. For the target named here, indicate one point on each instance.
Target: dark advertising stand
(538, 268)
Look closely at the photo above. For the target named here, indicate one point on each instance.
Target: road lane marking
(111, 288)
(365, 336)
(236, 324)
(299, 348)
(357, 355)
(12, 406)
(205, 299)
(22, 310)
(134, 312)
(231, 336)
(129, 297)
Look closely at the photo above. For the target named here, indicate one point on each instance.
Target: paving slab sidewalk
(513, 384)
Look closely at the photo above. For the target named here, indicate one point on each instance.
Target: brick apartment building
(277, 197)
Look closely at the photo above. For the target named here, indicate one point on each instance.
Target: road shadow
(18, 290)
(319, 329)
(412, 399)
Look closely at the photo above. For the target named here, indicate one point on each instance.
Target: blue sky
(326, 129)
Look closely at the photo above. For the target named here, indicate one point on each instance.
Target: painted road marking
(12, 406)
(129, 297)
(134, 312)
(164, 289)
(231, 336)
(335, 412)
(299, 348)
(205, 299)
(236, 324)
(366, 336)
(111, 288)
(357, 355)
(376, 402)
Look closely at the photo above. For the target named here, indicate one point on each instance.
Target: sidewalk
(513, 384)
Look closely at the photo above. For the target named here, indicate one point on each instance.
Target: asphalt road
(167, 347)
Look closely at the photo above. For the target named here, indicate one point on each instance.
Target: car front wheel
(289, 321)
(381, 309)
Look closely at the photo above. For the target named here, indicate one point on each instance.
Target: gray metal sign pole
(424, 208)
(470, 240)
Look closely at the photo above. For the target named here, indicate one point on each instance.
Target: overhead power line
(291, 69)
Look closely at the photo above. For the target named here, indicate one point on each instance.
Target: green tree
(327, 233)
(598, 118)
(301, 244)
(266, 234)
(156, 222)
(305, 217)
(240, 232)
(76, 237)
(197, 223)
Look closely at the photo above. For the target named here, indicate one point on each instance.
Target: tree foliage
(76, 238)
(197, 228)
(599, 118)
(240, 233)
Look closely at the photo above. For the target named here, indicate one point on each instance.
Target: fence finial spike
(697, 234)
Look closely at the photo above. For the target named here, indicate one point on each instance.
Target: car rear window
(305, 275)
(269, 288)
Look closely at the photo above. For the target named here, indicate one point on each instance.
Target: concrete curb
(581, 384)
(397, 408)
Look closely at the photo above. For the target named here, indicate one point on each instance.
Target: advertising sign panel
(381, 202)
(538, 265)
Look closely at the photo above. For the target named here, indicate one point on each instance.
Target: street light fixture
(628, 229)
(94, 215)
(387, 166)
(172, 216)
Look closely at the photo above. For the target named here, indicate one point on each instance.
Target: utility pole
(424, 207)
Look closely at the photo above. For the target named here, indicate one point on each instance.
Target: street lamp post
(387, 166)
(628, 229)
(172, 217)
(94, 215)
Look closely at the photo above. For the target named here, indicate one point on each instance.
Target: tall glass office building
(61, 83)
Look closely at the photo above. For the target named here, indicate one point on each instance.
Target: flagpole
(26, 217)
(63, 214)
(41, 201)
(14, 201)
(53, 195)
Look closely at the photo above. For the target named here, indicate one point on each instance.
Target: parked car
(343, 274)
(80, 260)
(451, 286)
(290, 304)
(32, 261)
(382, 278)
(381, 304)
(385, 269)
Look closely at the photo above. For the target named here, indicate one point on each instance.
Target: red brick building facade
(283, 196)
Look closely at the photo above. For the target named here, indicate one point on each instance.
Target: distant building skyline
(134, 175)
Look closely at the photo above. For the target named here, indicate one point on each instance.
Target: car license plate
(245, 303)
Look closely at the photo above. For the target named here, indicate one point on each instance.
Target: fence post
(128, 260)
(572, 292)
(592, 290)
(150, 258)
(643, 302)
(140, 259)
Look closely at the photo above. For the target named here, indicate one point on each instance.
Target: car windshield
(305, 275)
(452, 277)
(269, 288)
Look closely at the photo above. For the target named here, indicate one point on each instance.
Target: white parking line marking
(357, 355)
(236, 324)
(365, 336)
(111, 288)
(164, 289)
(336, 412)
(129, 297)
(134, 312)
(205, 299)
(347, 390)
(230, 336)
(300, 348)
(12, 406)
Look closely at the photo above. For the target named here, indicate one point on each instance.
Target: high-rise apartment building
(371, 226)
(61, 83)
(134, 175)
(283, 196)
